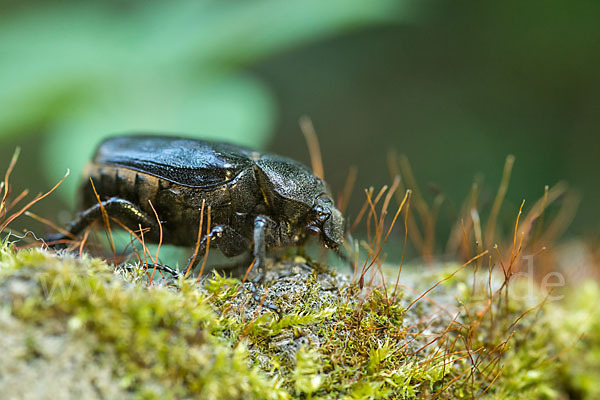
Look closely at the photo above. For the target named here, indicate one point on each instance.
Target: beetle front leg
(124, 210)
(231, 243)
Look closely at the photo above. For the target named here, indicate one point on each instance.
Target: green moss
(562, 350)
(306, 374)
(577, 327)
(213, 339)
(331, 341)
(167, 343)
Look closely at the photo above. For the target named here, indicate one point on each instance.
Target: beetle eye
(321, 213)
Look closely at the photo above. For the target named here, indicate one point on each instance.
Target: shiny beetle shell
(257, 200)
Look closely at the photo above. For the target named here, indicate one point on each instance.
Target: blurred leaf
(83, 71)
(53, 57)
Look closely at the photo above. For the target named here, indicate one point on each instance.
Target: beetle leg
(150, 266)
(230, 242)
(127, 212)
(260, 227)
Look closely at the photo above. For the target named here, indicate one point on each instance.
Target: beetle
(258, 201)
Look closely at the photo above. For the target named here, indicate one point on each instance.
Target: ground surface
(76, 328)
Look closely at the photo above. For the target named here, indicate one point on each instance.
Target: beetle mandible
(258, 200)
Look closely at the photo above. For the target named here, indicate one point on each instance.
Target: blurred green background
(454, 85)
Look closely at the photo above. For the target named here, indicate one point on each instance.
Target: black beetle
(257, 200)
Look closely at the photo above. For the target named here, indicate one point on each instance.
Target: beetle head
(327, 221)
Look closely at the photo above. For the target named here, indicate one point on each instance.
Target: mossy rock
(76, 328)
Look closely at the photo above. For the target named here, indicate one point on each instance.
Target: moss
(331, 340)
(562, 353)
(165, 343)
(577, 327)
(218, 339)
